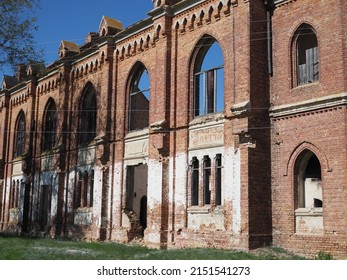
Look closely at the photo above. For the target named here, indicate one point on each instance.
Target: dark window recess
(50, 127)
(20, 136)
(195, 181)
(207, 180)
(218, 179)
(88, 114)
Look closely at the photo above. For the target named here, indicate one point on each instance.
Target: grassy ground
(20, 248)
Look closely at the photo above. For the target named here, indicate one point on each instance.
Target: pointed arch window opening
(139, 100)
(50, 127)
(309, 182)
(88, 116)
(307, 55)
(20, 136)
(209, 79)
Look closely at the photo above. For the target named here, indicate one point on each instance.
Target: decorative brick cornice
(309, 105)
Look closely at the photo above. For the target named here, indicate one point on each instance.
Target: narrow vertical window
(78, 190)
(307, 55)
(139, 99)
(207, 180)
(218, 180)
(91, 189)
(88, 116)
(208, 78)
(49, 127)
(195, 181)
(20, 135)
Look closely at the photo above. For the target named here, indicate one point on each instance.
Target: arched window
(308, 181)
(139, 99)
(208, 78)
(20, 132)
(87, 116)
(307, 64)
(49, 126)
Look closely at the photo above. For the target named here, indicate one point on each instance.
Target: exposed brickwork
(267, 124)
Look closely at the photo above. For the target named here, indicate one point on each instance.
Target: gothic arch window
(308, 181)
(87, 115)
(306, 55)
(139, 98)
(208, 77)
(49, 126)
(19, 143)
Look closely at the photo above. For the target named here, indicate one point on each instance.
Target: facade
(209, 123)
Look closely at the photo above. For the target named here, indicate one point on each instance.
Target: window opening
(139, 100)
(309, 182)
(88, 116)
(207, 180)
(195, 181)
(307, 55)
(209, 79)
(50, 126)
(20, 136)
(218, 179)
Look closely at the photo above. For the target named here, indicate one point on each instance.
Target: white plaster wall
(155, 180)
(140, 186)
(232, 185)
(313, 190)
(118, 188)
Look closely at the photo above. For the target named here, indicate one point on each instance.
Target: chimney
(92, 36)
(21, 72)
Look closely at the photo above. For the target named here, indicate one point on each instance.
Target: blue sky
(72, 20)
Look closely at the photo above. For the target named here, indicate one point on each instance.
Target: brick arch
(296, 25)
(289, 168)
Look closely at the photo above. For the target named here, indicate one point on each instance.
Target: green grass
(21, 248)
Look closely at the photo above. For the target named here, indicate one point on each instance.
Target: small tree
(17, 24)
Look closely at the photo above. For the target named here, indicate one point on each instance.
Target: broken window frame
(208, 97)
(84, 190)
(134, 93)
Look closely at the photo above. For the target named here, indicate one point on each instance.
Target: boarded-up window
(307, 55)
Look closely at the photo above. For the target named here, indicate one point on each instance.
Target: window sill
(137, 133)
(309, 212)
(213, 117)
(206, 209)
(84, 210)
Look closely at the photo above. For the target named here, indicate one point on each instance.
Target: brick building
(208, 123)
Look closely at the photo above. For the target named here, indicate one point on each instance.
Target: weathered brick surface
(267, 121)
